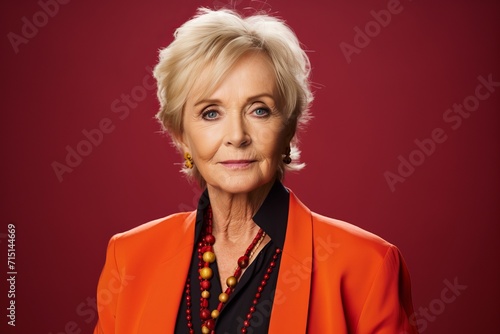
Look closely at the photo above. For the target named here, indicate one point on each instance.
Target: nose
(236, 131)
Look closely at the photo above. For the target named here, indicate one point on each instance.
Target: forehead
(250, 74)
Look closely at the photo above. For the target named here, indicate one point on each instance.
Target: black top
(272, 217)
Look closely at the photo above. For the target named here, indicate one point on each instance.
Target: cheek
(203, 144)
(270, 139)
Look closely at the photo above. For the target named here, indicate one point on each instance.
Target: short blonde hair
(214, 40)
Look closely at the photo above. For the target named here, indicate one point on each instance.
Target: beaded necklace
(206, 256)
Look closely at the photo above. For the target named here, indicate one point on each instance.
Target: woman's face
(236, 135)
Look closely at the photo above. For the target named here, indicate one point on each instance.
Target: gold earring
(286, 159)
(188, 160)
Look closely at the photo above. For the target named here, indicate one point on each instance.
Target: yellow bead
(205, 330)
(214, 314)
(223, 297)
(209, 257)
(231, 281)
(206, 273)
(205, 294)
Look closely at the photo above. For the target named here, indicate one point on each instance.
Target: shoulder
(348, 235)
(155, 226)
(156, 235)
(367, 272)
(340, 235)
(353, 251)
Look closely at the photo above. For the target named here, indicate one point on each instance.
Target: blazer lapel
(167, 283)
(291, 301)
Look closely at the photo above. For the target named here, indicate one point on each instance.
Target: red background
(444, 216)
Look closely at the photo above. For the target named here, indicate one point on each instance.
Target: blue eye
(261, 112)
(210, 114)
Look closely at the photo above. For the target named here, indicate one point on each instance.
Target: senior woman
(252, 258)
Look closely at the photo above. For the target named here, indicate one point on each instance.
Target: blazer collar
(291, 300)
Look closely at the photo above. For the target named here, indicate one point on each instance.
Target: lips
(235, 164)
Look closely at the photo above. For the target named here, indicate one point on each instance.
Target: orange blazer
(333, 278)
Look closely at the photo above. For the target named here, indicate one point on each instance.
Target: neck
(233, 213)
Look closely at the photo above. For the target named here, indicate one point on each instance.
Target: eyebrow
(216, 101)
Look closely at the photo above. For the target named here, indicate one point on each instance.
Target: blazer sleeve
(388, 305)
(108, 291)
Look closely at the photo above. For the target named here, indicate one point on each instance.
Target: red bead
(260, 288)
(204, 303)
(205, 285)
(266, 277)
(209, 239)
(243, 330)
(252, 309)
(257, 295)
(263, 282)
(188, 318)
(204, 314)
(243, 262)
(246, 323)
(210, 323)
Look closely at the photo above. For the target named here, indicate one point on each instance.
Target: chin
(242, 185)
